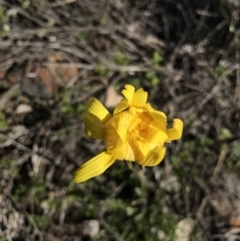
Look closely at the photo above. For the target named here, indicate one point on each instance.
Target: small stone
(184, 229)
(91, 228)
(112, 97)
(23, 108)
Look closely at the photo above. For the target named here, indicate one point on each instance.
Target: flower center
(138, 133)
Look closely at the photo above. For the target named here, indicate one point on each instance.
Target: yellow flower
(136, 133)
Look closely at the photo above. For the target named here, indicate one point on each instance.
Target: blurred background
(55, 55)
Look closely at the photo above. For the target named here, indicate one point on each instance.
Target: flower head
(136, 133)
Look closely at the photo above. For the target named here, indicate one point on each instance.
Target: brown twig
(220, 162)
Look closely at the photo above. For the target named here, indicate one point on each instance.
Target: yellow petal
(129, 154)
(123, 104)
(117, 128)
(154, 157)
(126, 119)
(175, 133)
(114, 137)
(92, 127)
(128, 92)
(94, 167)
(156, 115)
(95, 108)
(96, 116)
(140, 150)
(156, 136)
(139, 98)
(136, 110)
(159, 125)
(124, 153)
